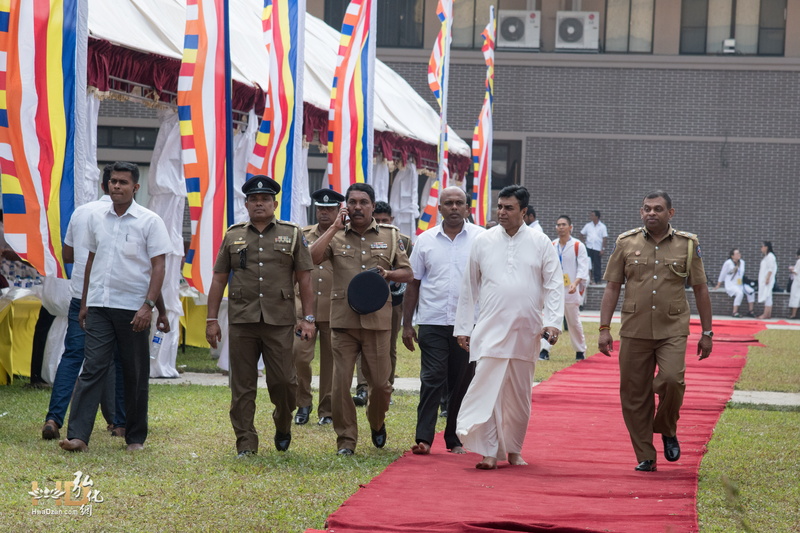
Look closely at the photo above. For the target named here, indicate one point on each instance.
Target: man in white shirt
(575, 266)
(530, 220)
(439, 259)
(594, 235)
(514, 274)
(124, 273)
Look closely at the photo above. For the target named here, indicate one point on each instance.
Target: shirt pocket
(676, 267)
(235, 255)
(677, 307)
(283, 252)
(132, 246)
(381, 258)
(349, 253)
(635, 267)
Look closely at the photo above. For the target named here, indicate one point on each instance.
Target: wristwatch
(309, 318)
(708, 333)
(150, 303)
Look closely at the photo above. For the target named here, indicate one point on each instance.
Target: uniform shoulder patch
(629, 233)
(237, 225)
(390, 226)
(692, 236)
(287, 223)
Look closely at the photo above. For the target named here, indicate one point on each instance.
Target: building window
(758, 27)
(126, 138)
(470, 17)
(629, 26)
(400, 22)
(506, 163)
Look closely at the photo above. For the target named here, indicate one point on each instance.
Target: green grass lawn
(188, 476)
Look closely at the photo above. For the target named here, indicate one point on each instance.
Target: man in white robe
(514, 275)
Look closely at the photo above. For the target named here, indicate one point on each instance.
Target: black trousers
(595, 257)
(107, 329)
(43, 324)
(442, 360)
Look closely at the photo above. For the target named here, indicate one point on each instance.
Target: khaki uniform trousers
(397, 321)
(303, 355)
(247, 343)
(637, 361)
(373, 345)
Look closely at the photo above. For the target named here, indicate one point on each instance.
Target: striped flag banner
(350, 123)
(438, 75)
(428, 217)
(204, 112)
(279, 143)
(38, 47)
(484, 134)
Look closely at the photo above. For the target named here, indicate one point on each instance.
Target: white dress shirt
(77, 237)
(516, 280)
(439, 264)
(123, 246)
(594, 233)
(732, 276)
(535, 226)
(572, 266)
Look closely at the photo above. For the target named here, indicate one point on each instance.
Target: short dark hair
(382, 207)
(658, 193)
(520, 193)
(730, 254)
(106, 177)
(125, 166)
(363, 187)
(569, 220)
(596, 213)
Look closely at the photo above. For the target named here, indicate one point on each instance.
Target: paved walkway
(412, 384)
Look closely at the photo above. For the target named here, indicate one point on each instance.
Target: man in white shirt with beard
(575, 265)
(514, 274)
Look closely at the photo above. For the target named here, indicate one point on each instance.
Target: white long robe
(768, 264)
(518, 284)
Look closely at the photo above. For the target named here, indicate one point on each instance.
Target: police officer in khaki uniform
(265, 255)
(654, 262)
(362, 245)
(327, 204)
(383, 215)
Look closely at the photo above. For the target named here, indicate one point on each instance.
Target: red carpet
(580, 476)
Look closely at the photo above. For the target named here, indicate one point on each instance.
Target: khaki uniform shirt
(263, 266)
(321, 282)
(351, 254)
(655, 305)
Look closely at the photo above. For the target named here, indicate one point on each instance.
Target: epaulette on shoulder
(390, 226)
(629, 233)
(237, 225)
(287, 223)
(686, 234)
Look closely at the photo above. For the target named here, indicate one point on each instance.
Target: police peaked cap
(327, 198)
(260, 184)
(367, 292)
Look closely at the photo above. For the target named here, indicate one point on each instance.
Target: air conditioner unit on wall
(578, 30)
(518, 29)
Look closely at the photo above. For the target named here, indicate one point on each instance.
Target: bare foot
(516, 459)
(135, 447)
(421, 448)
(458, 449)
(73, 445)
(488, 463)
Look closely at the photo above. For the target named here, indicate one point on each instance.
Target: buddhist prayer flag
(204, 112)
(438, 74)
(350, 124)
(429, 214)
(38, 80)
(483, 135)
(279, 143)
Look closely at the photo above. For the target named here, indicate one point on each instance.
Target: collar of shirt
(440, 230)
(372, 226)
(134, 210)
(670, 233)
(523, 227)
(249, 224)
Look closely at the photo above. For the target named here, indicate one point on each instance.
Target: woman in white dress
(794, 295)
(731, 275)
(766, 279)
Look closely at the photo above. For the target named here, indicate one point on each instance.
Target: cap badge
(325, 198)
(260, 185)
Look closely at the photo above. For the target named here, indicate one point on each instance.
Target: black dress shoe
(302, 415)
(544, 355)
(325, 420)
(579, 356)
(646, 466)
(672, 449)
(345, 451)
(360, 399)
(379, 437)
(282, 441)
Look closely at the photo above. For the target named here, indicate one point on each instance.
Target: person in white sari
(732, 275)
(766, 279)
(794, 294)
(513, 273)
